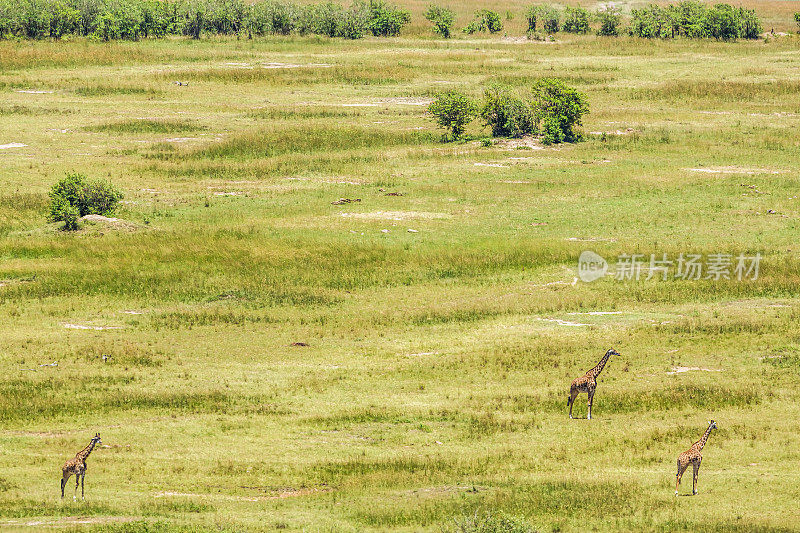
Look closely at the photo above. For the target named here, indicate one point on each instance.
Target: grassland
(435, 379)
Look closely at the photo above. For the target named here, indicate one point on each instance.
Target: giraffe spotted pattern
(588, 383)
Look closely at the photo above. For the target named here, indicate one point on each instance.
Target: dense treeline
(695, 20)
(689, 18)
(136, 19)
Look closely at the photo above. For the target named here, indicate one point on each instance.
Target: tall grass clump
(489, 523)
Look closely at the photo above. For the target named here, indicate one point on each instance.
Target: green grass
(274, 361)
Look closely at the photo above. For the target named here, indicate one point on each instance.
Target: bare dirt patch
(561, 322)
(110, 222)
(94, 328)
(12, 145)
(735, 170)
(65, 521)
(396, 215)
(495, 165)
(523, 143)
(682, 369)
(397, 100)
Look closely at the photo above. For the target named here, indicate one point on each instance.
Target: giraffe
(588, 383)
(694, 457)
(77, 466)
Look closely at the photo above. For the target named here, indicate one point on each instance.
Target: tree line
(137, 19)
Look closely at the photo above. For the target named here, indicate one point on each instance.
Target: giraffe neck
(702, 442)
(599, 367)
(84, 453)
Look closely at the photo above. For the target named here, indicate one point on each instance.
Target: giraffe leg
(681, 469)
(696, 468)
(83, 478)
(63, 484)
(572, 395)
(77, 482)
(589, 404)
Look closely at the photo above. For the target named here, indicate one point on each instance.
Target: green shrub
(485, 20)
(650, 22)
(550, 18)
(576, 20)
(723, 22)
(453, 111)
(750, 27)
(610, 21)
(64, 19)
(559, 107)
(353, 21)
(531, 15)
(797, 21)
(62, 211)
(386, 20)
(507, 114)
(75, 196)
(442, 19)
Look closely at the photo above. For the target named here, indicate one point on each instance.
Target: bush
(797, 21)
(723, 22)
(62, 211)
(75, 196)
(560, 108)
(453, 111)
(750, 27)
(531, 15)
(576, 20)
(485, 20)
(386, 20)
(354, 21)
(507, 114)
(650, 22)
(550, 18)
(610, 22)
(442, 19)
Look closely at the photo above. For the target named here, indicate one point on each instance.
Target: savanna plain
(402, 362)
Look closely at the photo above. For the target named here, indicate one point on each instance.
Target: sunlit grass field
(442, 325)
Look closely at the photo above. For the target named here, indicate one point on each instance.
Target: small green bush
(610, 22)
(442, 19)
(576, 20)
(75, 196)
(485, 19)
(453, 111)
(386, 20)
(560, 108)
(797, 21)
(62, 211)
(550, 18)
(531, 15)
(507, 114)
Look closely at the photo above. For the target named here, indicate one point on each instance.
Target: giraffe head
(612, 351)
(712, 425)
(96, 439)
